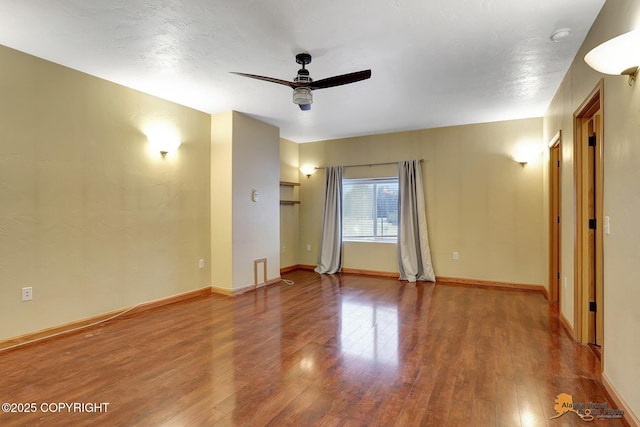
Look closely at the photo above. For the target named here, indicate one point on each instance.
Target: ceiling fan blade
(305, 107)
(292, 85)
(340, 80)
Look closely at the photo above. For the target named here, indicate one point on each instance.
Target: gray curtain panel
(330, 259)
(414, 255)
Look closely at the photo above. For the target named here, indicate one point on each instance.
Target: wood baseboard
(567, 326)
(629, 417)
(539, 289)
(239, 291)
(370, 272)
(146, 306)
(71, 327)
(291, 268)
(344, 271)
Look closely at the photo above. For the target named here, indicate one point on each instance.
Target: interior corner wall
(91, 217)
(256, 224)
(222, 201)
(480, 202)
(289, 213)
(621, 197)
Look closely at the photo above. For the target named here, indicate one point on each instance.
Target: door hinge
(558, 275)
(592, 224)
(558, 220)
(558, 163)
(593, 306)
(592, 141)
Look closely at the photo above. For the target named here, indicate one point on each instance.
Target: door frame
(555, 214)
(592, 107)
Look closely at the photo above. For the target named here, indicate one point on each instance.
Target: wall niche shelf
(292, 185)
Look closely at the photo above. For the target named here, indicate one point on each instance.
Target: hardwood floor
(329, 351)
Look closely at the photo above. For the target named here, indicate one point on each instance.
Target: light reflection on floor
(369, 331)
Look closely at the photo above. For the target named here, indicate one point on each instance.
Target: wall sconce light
(166, 145)
(618, 56)
(308, 170)
(162, 137)
(524, 154)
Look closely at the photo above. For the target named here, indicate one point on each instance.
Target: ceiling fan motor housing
(303, 76)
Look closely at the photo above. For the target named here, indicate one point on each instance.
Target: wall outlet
(27, 294)
(456, 255)
(201, 263)
(564, 284)
(308, 246)
(284, 249)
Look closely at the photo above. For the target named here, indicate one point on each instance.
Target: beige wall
(90, 217)
(480, 202)
(256, 225)
(245, 157)
(621, 197)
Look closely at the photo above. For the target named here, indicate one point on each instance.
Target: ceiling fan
(302, 84)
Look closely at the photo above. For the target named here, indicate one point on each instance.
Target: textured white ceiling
(434, 63)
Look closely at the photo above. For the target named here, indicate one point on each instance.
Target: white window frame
(374, 181)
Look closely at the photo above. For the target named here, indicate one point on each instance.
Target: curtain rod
(367, 164)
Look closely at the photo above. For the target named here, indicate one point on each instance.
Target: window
(370, 209)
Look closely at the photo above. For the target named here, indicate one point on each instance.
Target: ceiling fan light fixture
(302, 96)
